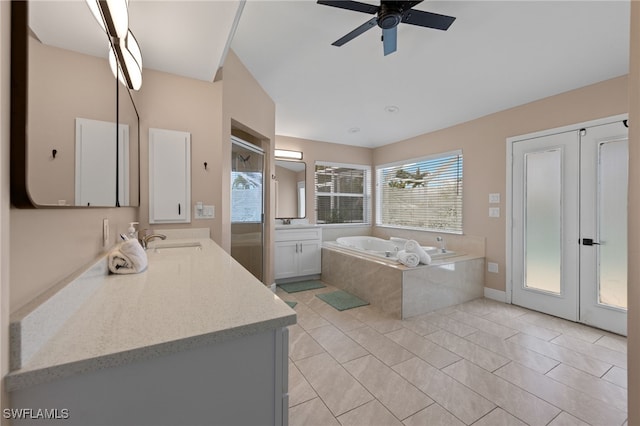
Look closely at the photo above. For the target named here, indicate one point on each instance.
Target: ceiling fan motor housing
(389, 15)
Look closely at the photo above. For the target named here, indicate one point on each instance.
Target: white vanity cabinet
(298, 252)
(169, 176)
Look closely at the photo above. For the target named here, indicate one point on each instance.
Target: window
(425, 193)
(342, 193)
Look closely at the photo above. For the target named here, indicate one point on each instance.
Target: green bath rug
(301, 286)
(341, 300)
(291, 304)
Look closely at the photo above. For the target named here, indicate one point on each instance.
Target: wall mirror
(290, 189)
(74, 129)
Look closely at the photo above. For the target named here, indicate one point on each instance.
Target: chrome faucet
(144, 241)
(443, 249)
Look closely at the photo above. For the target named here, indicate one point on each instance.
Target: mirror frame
(19, 133)
(276, 160)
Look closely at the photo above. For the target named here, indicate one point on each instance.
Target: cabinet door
(286, 259)
(169, 176)
(310, 257)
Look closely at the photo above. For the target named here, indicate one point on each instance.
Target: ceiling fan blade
(410, 4)
(351, 5)
(390, 40)
(355, 33)
(427, 19)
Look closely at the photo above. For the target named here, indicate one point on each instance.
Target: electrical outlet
(492, 267)
(105, 232)
(494, 211)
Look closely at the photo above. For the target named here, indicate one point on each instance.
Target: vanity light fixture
(112, 15)
(288, 154)
(125, 57)
(128, 67)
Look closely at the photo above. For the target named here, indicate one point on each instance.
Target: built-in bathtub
(366, 267)
(387, 249)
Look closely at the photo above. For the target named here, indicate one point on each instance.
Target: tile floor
(481, 363)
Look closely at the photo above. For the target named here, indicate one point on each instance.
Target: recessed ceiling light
(391, 109)
(354, 130)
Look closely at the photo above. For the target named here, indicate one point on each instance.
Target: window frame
(366, 192)
(378, 185)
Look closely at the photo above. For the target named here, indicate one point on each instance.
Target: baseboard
(493, 294)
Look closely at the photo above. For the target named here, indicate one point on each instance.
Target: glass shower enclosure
(247, 206)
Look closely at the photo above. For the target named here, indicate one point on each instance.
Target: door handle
(589, 242)
(178, 208)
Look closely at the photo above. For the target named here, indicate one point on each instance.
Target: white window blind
(342, 193)
(424, 193)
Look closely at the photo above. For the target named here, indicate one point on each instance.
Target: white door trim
(509, 196)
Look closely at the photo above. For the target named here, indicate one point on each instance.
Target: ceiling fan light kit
(389, 15)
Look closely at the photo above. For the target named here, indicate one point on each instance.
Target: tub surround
(401, 291)
(188, 298)
(456, 242)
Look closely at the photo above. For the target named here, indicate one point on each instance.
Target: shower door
(247, 206)
(569, 236)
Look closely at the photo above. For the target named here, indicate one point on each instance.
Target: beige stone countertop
(187, 298)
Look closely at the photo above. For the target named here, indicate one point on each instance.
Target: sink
(176, 247)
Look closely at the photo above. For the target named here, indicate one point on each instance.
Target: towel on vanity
(408, 259)
(412, 246)
(128, 258)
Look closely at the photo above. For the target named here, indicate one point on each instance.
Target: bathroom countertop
(297, 226)
(188, 297)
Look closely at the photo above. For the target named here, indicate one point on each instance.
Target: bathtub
(387, 248)
(367, 267)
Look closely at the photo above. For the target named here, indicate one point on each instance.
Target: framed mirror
(74, 128)
(290, 189)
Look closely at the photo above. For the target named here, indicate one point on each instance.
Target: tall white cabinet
(169, 176)
(298, 252)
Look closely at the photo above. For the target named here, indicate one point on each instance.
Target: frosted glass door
(603, 250)
(543, 221)
(545, 208)
(569, 235)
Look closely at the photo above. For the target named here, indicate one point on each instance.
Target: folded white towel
(128, 258)
(412, 246)
(408, 259)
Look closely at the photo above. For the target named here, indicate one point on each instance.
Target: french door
(569, 225)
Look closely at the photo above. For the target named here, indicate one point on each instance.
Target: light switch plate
(494, 211)
(492, 267)
(494, 197)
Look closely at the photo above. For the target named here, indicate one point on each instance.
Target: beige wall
(314, 151)
(4, 199)
(171, 102)
(249, 113)
(633, 288)
(483, 142)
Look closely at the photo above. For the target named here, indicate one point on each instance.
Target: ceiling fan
(388, 15)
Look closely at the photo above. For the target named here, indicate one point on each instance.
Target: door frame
(509, 193)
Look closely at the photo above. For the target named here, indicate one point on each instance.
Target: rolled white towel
(408, 259)
(128, 258)
(412, 246)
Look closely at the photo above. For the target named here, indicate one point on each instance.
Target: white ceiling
(496, 55)
(186, 38)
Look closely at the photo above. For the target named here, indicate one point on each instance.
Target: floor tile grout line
(552, 403)
(437, 328)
